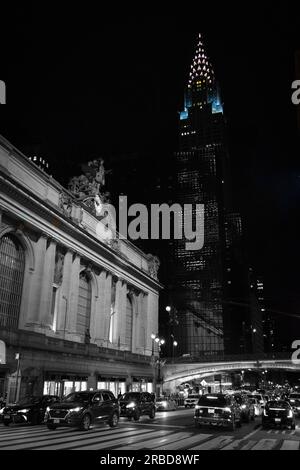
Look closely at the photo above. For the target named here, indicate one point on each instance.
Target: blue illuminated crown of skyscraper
(201, 67)
(201, 72)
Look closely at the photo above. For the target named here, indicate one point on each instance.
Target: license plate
(6, 416)
(211, 411)
(277, 420)
(56, 421)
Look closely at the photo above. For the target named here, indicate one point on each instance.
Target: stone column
(138, 326)
(150, 327)
(64, 297)
(99, 321)
(107, 307)
(120, 315)
(34, 313)
(47, 286)
(135, 312)
(73, 295)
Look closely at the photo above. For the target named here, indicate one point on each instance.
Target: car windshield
(29, 400)
(77, 397)
(278, 404)
(212, 400)
(130, 396)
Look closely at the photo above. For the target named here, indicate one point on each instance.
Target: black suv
(135, 404)
(80, 409)
(278, 413)
(218, 410)
(30, 410)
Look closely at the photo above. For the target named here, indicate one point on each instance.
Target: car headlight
(243, 407)
(131, 405)
(47, 409)
(290, 414)
(1, 411)
(197, 407)
(164, 404)
(25, 410)
(228, 410)
(78, 408)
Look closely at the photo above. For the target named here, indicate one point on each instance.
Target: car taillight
(290, 414)
(265, 412)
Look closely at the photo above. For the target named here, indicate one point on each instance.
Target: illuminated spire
(201, 68)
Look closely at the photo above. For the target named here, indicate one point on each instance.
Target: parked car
(278, 413)
(191, 401)
(218, 410)
(135, 404)
(246, 407)
(294, 400)
(81, 409)
(30, 410)
(166, 404)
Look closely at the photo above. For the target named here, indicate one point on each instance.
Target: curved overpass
(186, 371)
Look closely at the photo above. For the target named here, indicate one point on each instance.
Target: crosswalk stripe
(124, 442)
(265, 444)
(160, 425)
(24, 435)
(185, 443)
(233, 445)
(290, 445)
(215, 443)
(35, 442)
(249, 445)
(101, 441)
(161, 441)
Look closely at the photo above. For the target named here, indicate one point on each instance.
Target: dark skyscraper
(201, 283)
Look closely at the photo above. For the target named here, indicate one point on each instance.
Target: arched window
(84, 304)
(12, 266)
(129, 323)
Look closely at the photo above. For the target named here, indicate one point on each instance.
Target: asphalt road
(173, 430)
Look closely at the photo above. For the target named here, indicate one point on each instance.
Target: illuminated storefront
(63, 385)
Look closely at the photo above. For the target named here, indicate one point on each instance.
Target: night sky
(81, 84)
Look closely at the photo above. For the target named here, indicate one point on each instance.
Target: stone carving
(153, 265)
(114, 243)
(58, 272)
(89, 187)
(65, 204)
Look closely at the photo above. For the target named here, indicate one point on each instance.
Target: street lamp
(175, 344)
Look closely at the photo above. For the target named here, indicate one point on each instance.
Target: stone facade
(71, 267)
